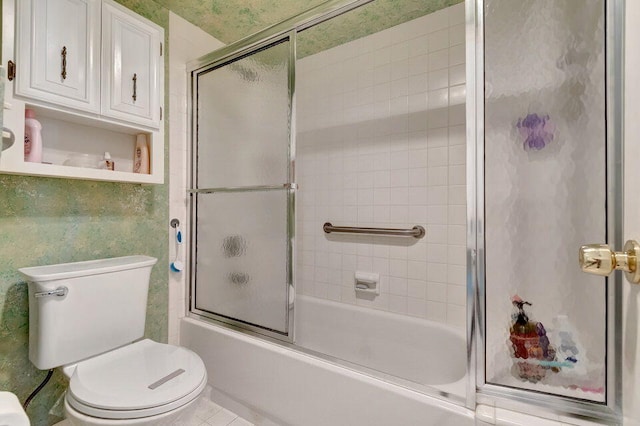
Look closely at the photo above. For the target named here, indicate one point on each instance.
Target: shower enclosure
(243, 192)
(489, 125)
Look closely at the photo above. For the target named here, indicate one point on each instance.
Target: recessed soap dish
(367, 282)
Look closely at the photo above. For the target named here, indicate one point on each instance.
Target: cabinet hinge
(11, 70)
(160, 113)
(160, 49)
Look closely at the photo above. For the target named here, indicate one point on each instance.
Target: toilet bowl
(88, 318)
(142, 383)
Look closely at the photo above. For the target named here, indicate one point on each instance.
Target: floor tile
(222, 418)
(240, 422)
(206, 409)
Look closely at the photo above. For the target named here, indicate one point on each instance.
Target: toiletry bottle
(141, 155)
(570, 348)
(108, 163)
(523, 334)
(32, 137)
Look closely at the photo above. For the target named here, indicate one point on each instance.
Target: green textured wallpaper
(229, 21)
(46, 221)
(366, 20)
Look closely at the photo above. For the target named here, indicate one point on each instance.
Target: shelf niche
(67, 136)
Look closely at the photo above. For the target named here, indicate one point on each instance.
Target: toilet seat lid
(141, 375)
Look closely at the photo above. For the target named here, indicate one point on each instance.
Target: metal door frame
(519, 399)
(289, 187)
(286, 29)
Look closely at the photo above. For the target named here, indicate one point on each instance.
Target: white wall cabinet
(58, 52)
(65, 60)
(131, 61)
(91, 109)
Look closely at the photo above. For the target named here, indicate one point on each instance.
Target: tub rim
(443, 392)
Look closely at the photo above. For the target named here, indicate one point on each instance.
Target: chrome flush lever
(599, 259)
(60, 292)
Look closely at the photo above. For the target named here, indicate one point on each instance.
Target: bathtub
(268, 383)
(422, 352)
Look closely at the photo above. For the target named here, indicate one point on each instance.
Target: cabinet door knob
(599, 259)
(64, 62)
(135, 87)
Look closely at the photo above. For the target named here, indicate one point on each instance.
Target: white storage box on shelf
(96, 108)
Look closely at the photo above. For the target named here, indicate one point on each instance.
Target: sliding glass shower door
(243, 189)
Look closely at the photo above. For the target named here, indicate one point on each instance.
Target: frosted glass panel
(244, 121)
(545, 183)
(242, 257)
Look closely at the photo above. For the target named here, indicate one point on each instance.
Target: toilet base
(175, 417)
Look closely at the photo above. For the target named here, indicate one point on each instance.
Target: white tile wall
(381, 142)
(186, 42)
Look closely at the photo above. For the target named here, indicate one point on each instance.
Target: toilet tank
(104, 307)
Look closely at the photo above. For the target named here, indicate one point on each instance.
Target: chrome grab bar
(242, 188)
(417, 231)
(60, 292)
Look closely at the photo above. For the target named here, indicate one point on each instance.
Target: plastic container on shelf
(32, 137)
(107, 162)
(141, 155)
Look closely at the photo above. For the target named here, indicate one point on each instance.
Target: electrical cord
(38, 389)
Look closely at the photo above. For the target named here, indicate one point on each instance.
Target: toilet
(89, 319)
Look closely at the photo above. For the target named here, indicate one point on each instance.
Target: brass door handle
(599, 259)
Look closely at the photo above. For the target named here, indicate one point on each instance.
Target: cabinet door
(131, 58)
(58, 52)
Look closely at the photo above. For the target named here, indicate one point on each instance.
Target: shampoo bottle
(32, 137)
(141, 155)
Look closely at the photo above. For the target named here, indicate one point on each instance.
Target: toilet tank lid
(89, 267)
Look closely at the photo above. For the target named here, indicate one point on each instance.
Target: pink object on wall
(32, 137)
